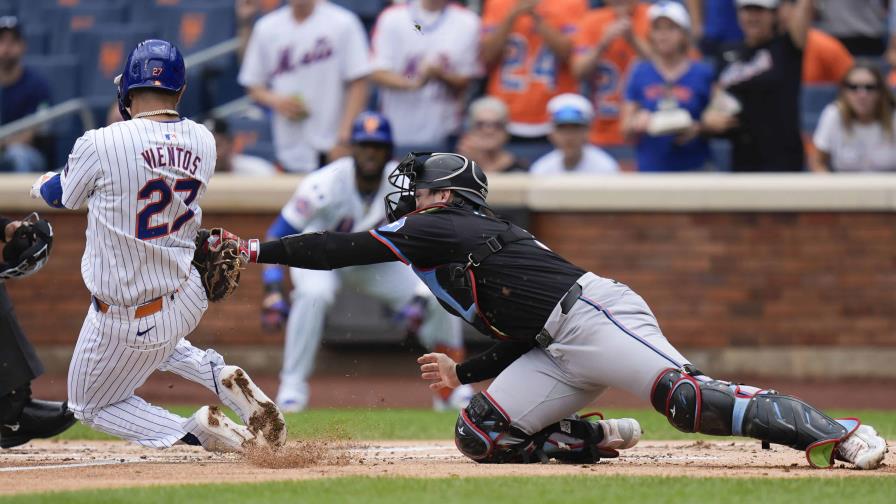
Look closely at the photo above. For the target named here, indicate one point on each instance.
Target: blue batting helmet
(371, 127)
(153, 64)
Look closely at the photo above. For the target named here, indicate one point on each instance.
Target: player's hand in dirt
(440, 369)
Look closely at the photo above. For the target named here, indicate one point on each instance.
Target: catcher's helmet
(153, 64)
(29, 249)
(371, 127)
(438, 170)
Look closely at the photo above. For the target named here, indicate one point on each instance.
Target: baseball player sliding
(347, 195)
(566, 335)
(142, 180)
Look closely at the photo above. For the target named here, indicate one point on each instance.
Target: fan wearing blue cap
(347, 195)
(666, 95)
(571, 116)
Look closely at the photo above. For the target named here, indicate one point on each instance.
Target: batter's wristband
(253, 247)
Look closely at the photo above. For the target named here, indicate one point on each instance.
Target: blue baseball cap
(571, 108)
(371, 127)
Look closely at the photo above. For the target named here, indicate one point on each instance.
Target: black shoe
(39, 419)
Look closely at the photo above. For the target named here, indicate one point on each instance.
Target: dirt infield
(72, 465)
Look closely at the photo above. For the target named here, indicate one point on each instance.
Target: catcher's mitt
(28, 249)
(219, 257)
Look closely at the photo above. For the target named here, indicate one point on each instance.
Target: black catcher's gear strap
(496, 244)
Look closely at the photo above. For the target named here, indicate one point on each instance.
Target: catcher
(26, 249)
(565, 335)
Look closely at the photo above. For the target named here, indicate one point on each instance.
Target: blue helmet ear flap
(124, 101)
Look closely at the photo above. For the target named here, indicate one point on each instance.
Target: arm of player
(443, 372)
(325, 250)
(49, 187)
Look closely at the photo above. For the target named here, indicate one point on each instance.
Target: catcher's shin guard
(484, 434)
(693, 402)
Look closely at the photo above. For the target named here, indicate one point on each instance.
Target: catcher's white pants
(315, 290)
(609, 338)
(116, 353)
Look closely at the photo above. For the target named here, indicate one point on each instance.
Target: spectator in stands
(526, 46)
(22, 92)
(308, 62)
(424, 69)
(858, 131)
(861, 25)
(608, 42)
(666, 96)
(571, 115)
(237, 163)
(715, 25)
(486, 138)
(825, 59)
(757, 100)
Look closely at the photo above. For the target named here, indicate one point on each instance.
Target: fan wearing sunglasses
(856, 132)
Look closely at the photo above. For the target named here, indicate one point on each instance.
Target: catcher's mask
(434, 170)
(39, 236)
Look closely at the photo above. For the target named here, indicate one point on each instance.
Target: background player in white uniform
(347, 195)
(424, 55)
(142, 180)
(308, 61)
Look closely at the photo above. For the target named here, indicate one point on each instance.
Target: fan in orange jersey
(608, 41)
(526, 45)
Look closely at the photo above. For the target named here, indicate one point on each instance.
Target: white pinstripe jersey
(142, 181)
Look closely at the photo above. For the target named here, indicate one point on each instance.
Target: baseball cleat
(864, 448)
(619, 433)
(217, 433)
(458, 400)
(291, 406)
(257, 410)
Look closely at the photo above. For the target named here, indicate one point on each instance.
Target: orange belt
(144, 310)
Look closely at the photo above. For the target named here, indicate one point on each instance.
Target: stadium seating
(193, 26)
(66, 22)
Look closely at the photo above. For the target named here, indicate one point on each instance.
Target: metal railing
(80, 105)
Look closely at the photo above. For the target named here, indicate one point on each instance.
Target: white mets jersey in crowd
(328, 200)
(405, 40)
(142, 181)
(312, 60)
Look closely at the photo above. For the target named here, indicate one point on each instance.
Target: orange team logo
(191, 27)
(111, 56)
(371, 124)
(82, 22)
(167, 2)
(67, 3)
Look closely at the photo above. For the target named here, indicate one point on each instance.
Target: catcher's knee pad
(484, 434)
(693, 402)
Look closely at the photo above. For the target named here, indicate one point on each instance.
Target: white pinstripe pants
(116, 353)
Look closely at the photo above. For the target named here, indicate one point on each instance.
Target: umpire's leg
(21, 418)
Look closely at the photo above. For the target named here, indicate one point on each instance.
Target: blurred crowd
(553, 86)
